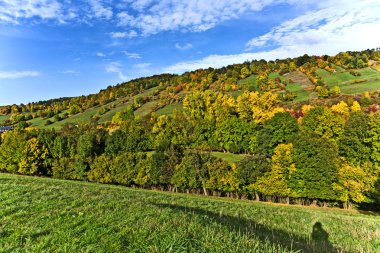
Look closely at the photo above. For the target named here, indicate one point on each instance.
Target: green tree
(101, 170)
(279, 129)
(354, 144)
(316, 160)
(249, 170)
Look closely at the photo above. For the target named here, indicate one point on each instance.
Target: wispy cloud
(328, 30)
(18, 74)
(198, 15)
(99, 54)
(99, 10)
(142, 65)
(183, 47)
(120, 35)
(12, 11)
(116, 67)
(69, 72)
(132, 55)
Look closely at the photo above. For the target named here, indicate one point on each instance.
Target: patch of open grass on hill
(228, 157)
(302, 95)
(47, 215)
(37, 122)
(4, 118)
(359, 88)
(108, 115)
(146, 108)
(344, 78)
(249, 82)
(235, 93)
(80, 118)
(169, 109)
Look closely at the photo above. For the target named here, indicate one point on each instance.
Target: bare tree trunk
(205, 191)
(287, 200)
(257, 197)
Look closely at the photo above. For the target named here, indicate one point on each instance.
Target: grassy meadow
(368, 81)
(47, 215)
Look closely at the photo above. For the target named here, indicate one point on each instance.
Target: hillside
(290, 131)
(40, 215)
(302, 79)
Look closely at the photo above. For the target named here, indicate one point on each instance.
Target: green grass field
(146, 108)
(169, 109)
(4, 118)
(342, 79)
(228, 157)
(47, 215)
(249, 82)
(302, 95)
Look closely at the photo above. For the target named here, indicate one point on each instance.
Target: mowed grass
(302, 95)
(249, 82)
(46, 215)
(359, 88)
(169, 109)
(4, 118)
(344, 78)
(228, 157)
(146, 108)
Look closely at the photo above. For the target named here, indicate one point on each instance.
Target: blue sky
(56, 48)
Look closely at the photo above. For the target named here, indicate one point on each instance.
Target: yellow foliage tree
(356, 107)
(341, 108)
(258, 107)
(33, 156)
(354, 182)
(274, 182)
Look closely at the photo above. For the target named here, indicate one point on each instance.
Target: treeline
(218, 80)
(325, 155)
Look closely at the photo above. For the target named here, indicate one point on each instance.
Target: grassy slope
(343, 79)
(3, 118)
(302, 95)
(228, 157)
(46, 215)
(169, 109)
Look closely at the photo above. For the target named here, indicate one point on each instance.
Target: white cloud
(132, 55)
(18, 74)
(183, 47)
(142, 65)
(12, 11)
(99, 54)
(119, 35)
(124, 19)
(345, 28)
(69, 72)
(197, 15)
(328, 30)
(99, 10)
(143, 68)
(115, 67)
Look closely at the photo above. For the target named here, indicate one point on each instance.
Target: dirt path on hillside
(299, 77)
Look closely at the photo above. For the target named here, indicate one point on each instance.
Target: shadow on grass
(319, 237)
